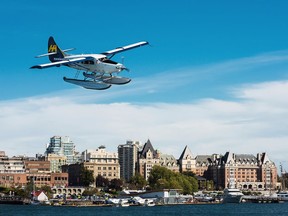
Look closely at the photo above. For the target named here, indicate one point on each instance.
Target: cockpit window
(105, 60)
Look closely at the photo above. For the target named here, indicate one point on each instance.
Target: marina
(207, 209)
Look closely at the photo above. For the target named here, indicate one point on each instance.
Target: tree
(90, 192)
(138, 181)
(189, 173)
(161, 177)
(4, 189)
(116, 184)
(101, 181)
(86, 177)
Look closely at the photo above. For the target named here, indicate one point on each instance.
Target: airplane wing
(58, 63)
(124, 48)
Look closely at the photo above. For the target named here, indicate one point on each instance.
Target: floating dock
(261, 199)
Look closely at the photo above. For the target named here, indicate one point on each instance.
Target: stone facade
(245, 171)
(147, 158)
(102, 163)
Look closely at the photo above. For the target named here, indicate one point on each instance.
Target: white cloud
(250, 125)
(254, 120)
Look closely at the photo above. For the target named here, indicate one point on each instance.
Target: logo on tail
(53, 48)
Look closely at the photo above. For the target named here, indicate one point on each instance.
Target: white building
(12, 165)
(102, 163)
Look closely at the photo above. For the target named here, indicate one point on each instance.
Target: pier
(262, 199)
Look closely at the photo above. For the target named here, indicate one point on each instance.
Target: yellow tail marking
(52, 48)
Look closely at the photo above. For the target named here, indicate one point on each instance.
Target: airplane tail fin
(56, 54)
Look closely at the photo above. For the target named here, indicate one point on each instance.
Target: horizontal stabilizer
(88, 84)
(46, 54)
(53, 53)
(67, 50)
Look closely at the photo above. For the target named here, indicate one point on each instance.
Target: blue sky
(215, 77)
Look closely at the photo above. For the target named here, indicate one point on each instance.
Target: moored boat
(232, 195)
(13, 200)
(283, 195)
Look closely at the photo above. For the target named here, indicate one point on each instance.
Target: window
(88, 62)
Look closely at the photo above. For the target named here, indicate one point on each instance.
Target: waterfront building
(198, 165)
(99, 161)
(169, 162)
(128, 159)
(13, 179)
(102, 163)
(62, 146)
(18, 171)
(202, 163)
(267, 171)
(56, 162)
(37, 166)
(12, 165)
(147, 158)
(187, 162)
(40, 179)
(50, 179)
(244, 171)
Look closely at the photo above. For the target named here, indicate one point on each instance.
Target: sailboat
(34, 200)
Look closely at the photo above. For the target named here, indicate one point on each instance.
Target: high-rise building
(62, 146)
(127, 154)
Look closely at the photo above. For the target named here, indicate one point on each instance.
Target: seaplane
(99, 71)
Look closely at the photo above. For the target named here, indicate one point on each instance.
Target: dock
(262, 199)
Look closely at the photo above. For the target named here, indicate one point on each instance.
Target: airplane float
(98, 69)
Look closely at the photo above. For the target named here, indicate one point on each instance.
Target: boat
(142, 202)
(232, 195)
(118, 202)
(13, 200)
(204, 198)
(124, 203)
(149, 203)
(283, 195)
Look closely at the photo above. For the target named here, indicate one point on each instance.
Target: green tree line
(163, 178)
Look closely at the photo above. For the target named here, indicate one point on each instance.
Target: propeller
(122, 62)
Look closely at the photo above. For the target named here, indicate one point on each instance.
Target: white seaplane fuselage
(97, 63)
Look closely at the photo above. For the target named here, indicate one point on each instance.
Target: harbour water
(279, 209)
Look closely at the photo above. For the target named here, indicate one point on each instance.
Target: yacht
(283, 195)
(232, 195)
